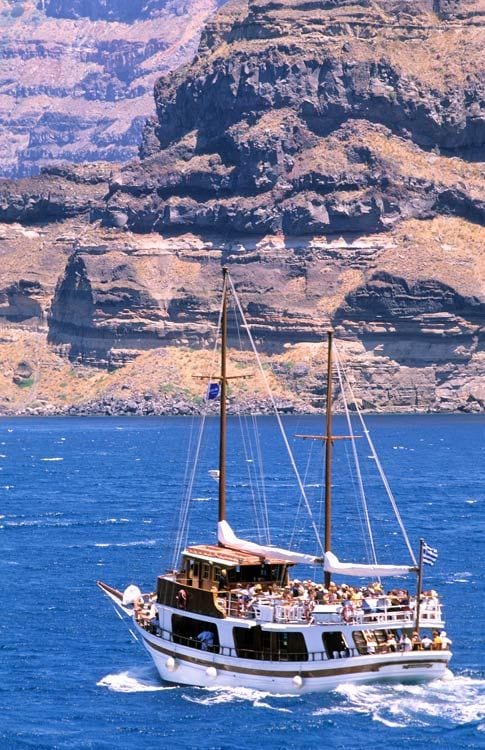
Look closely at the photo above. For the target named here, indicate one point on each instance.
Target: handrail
(245, 653)
(265, 610)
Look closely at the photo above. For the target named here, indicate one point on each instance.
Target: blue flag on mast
(213, 391)
(430, 555)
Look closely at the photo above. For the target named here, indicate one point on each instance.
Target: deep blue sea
(88, 499)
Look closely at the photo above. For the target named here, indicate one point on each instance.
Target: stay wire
(356, 460)
(278, 418)
(381, 471)
(182, 533)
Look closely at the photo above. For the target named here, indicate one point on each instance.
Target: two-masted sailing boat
(234, 614)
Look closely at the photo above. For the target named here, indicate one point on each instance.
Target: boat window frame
(274, 644)
(193, 626)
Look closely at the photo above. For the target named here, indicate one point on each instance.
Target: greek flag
(430, 555)
(212, 391)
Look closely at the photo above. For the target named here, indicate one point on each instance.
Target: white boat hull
(188, 666)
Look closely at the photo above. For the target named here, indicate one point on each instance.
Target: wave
(67, 522)
(213, 696)
(55, 458)
(146, 543)
(139, 680)
(456, 700)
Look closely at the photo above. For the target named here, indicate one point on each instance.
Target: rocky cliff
(331, 153)
(77, 76)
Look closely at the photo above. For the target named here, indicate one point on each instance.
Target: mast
(223, 405)
(328, 457)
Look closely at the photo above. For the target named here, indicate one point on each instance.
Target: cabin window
(205, 571)
(187, 631)
(255, 643)
(335, 645)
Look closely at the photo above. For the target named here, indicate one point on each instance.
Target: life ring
(347, 613)
(182, 599)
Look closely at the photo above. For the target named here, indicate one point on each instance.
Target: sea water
(88, 499)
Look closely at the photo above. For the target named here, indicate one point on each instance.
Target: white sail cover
(333, 565)
(227, 538)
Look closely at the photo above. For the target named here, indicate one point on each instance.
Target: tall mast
(223, 406)
(328, 457)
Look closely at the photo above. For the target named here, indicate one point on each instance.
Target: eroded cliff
(77, 77)
(331, 153)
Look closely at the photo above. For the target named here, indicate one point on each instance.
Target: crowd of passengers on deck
(348, 600)
(311, 594)
(396, 641)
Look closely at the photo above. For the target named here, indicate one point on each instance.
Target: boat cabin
(202, 568)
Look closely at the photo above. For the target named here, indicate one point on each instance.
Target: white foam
(457, 700)
(212, 696)
(141, 543)
(55, 458)
(133, 681)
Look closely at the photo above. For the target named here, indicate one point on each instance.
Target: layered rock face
(331, 154)
(77, 76)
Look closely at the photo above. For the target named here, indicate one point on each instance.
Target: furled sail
(333, 565)
(227, 538)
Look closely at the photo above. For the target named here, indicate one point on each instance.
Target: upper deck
(299, 604)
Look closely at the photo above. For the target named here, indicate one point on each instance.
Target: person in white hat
(445, 641)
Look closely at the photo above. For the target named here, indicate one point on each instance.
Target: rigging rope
(182, 533)
(380, 470)
(356, 460)
(278, 418)
(258, 489)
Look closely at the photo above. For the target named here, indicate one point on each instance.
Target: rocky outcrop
(125, 11)
(77, 77)
(331, 154)
(317, 117)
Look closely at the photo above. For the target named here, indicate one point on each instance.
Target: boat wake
(137, 680)
(454, 700)
(258, 699)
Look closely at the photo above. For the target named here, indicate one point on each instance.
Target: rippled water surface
(89, 499)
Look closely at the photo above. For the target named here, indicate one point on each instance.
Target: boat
(235, 614)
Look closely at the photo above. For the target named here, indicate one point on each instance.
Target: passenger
(445, 641)
(138, 607)
(391, 642)
(223, 580)
(437, 644)
(206, 640)
(426, 642)
(153, 618)
(405, 643)
(416, 641)
(296, 589)
(357, 598)
(319, 594)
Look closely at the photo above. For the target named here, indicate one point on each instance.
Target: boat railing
(268, 609)
(282, 655)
